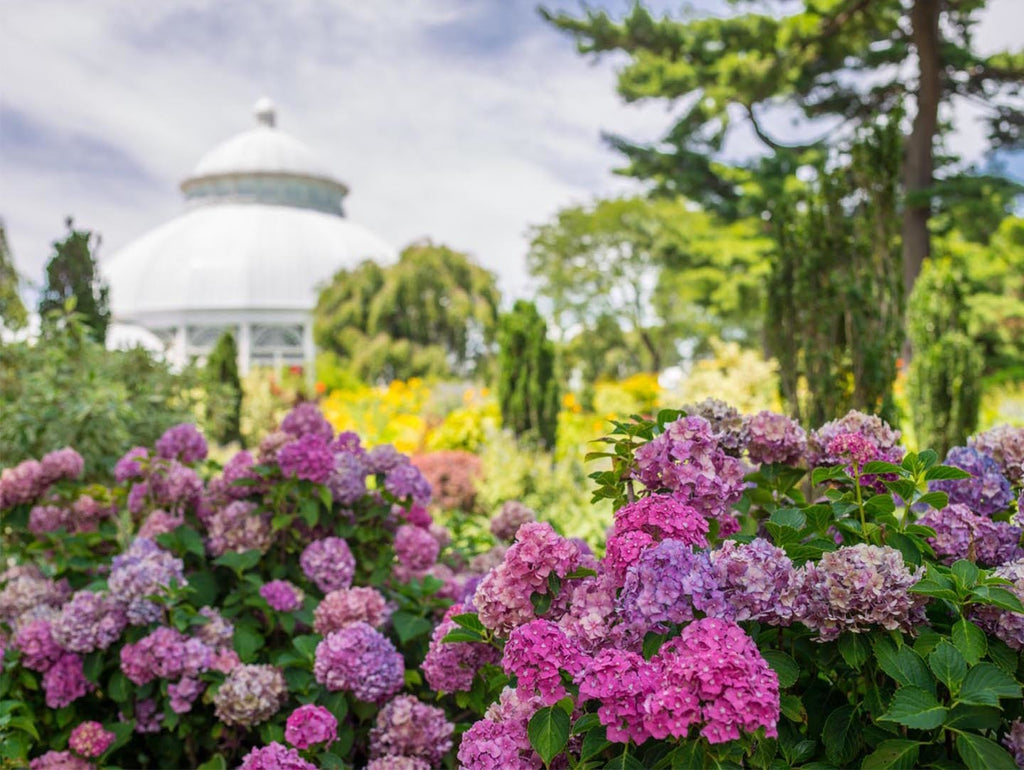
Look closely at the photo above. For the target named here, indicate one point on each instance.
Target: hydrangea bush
(768, 597)
(270, 613)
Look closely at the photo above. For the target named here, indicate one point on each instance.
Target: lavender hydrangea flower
(308, 457)
(143, 570)
(406, 482)
(282, 595)
(63, 463)
(1005, 625)
(659, 589)
(361, 660)
(328, 563)
(90, 621)
(38, 649)
(306, 419)
(407, 727)
(347, 481)
(415, 548)
(25, 589)
(1005, 445)
(986, 493)
(216, 631)
(130, 465)
(727, 424)
(183, 443)
(384, 458)
(1014, 741)
(510, 518)
(238, 527)
(752, 581)
(961, 534)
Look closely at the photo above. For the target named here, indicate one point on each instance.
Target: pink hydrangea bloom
(38, 649)
(305, 419)
(350, 605)
(395, 762)
(310, 725)
(591, 619)
(60, 760)
(90, 739)
(183, 443)
(65, 682)
(238, 527)
(184, 692)
(308, 457)
(535, 652)
(415, 548)
(282, 595)
(503, 597)
(328, 563)
(130, 466)
(621, 680)
(63, 463)
(21, 484)
(450, 666)
(407, 727)
(775, 438)
(712, 674)
(361, 660)
(489, 745)
(510, 518)
(646, 522)
(275, 756)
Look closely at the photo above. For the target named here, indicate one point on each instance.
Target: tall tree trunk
(918, 153)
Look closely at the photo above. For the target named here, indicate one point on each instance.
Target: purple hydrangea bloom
(753, 581)
(1006, 625)
(282, 595)
(306, 419)
(383, 458)
(274, 756)
(238, 527)
(1014, 741)
(727, 424)
(347, 481)
(450, 666)
(328, 563)
(407, 483)
(130, 466)
(361, 660)
(661, 587)
(1005, 445)
(775, 438)
(960, 534)
(216, 631)
(90, 621)
(987, 493)
(237, 468)
(64, 463)
(21, 484)
(308, 457)
(536, 653)
(183, 443)
(407, 727)
(348, 442)
(65, 682)
(143, 570)
(38, 649)
(415, 548)
(510, 518)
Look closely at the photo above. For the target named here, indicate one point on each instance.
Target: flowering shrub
(270, 613)
(767, 598)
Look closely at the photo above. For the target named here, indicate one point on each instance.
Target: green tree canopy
(527, 385)
(832, 64)
(664, 269)
(222, 370)
(432, 313)
(71, 273)
(12, 311)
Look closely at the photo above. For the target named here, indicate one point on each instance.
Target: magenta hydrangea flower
(360, 660)
(250, 694)
(535, 653)
(328, 563)
(130, 466)
(308, 457)
(144, 570)
(274, 756)
(63, 463)
(183, 443)
(1005, 445)
(711, 674)
(987, 492)
(961, 534)
(310, 725)
(90, 621)
(165, 653)
(90, 739)
(875, 429)
(361, 604)
(38, 649)
(416, 548)
(407, 727)
(489, 745)
(282, 595)
(60, 760)
(686, 461)
(621, 680)
(775, 438)
(65, 682)
(450, 666)
(503, 599)
(184, 692)
(859, 587)
(306, 419)
(644, 523)
(406, 482)
(510, 518)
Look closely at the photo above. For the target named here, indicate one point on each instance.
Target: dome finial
(264, 112)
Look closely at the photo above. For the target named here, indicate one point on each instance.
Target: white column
(244, 348)
(309, 353)
(179, 348)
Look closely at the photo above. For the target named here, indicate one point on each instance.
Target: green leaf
(877, 466)
(469, 620)
(789, 517)
(409, 626)
(784, 666)
(461, 635)
(948, 665)
(986, 683)
(966, 717)
(247, 643)
(119, 688)
(997, 597)
(969, 640)
(585, 723)
(906, 545)
(966, 572)
(309, 510)
(1004, 656)
(894, 754)
(541, 602)
(217, 763)
(25, 724)
(652, 643)
(834, 473)
(943, 472)
(306, 645)
(880, 505)
(239, 562)
(903, 664)
(841, 735)
(793, 708)
(594, 742)
(937, 500)
(580, 572)
(855, 649)
(624, 761)
(980, 753)
(191, 541)
(548, 730)
(915, 707)
(281, 521)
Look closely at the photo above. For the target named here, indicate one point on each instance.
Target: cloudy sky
(463, 120)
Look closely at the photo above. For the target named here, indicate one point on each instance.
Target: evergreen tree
(527, 388)
(72, 273)
(12, 311)
(222, 367)
(944, 380)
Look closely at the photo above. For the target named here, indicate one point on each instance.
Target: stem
(860, 500)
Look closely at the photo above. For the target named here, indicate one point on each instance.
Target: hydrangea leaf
(841, 735)
(980, 753)
(948, 665)
(969, 640)
(915, 707)
(892, 755)
(548, 731)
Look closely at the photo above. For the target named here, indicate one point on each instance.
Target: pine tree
(527, 388)
(72, 273)
(12, 311)
(222, 367)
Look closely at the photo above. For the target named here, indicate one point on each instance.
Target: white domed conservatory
(264, 227)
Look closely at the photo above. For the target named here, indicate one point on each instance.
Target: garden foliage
(527, 384)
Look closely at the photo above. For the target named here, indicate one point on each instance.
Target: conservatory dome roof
(263, 229)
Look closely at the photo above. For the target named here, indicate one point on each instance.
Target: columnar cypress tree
(222, 367)
(945, 375)
(527, 388)
(71, 272)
